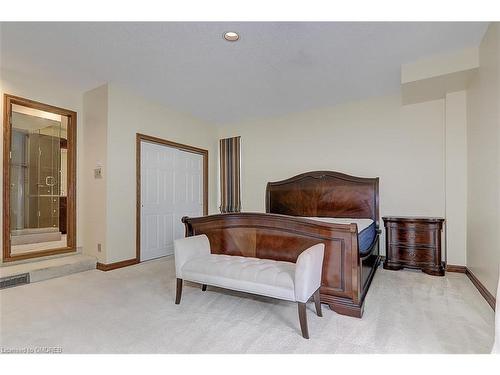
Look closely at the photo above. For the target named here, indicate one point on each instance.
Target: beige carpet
(131, 310)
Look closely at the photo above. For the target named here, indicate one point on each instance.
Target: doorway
(39, 186)
(172, 182)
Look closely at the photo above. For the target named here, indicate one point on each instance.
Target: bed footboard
(281, 237)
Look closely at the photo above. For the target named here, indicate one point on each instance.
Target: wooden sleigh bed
(296, 210)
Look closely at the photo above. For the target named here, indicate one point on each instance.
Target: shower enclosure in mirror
(39, 179)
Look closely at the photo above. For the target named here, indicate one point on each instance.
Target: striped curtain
(230, 193)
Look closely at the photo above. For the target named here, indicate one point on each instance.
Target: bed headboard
(324, 194)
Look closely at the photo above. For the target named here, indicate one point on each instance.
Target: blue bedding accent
(365, 239)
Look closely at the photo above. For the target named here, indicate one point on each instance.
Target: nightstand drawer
(412, 237)
(411, 254)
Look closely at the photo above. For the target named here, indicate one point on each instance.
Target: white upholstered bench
(296, 282)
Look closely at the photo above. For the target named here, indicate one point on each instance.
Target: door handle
(51, 179)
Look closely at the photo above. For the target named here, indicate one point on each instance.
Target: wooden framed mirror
(39, 179)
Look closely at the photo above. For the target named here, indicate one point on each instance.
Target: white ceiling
(275, 68)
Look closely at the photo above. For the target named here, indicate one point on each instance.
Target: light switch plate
(98, 172)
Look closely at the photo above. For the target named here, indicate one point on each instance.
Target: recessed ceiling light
(231, 36)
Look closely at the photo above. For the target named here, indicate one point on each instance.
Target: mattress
(366, 230)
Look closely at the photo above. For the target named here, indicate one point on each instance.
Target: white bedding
(361, 223)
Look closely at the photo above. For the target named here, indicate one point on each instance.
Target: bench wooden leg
(303, 319)
(203, 287)
(317, 303)
(178, 293)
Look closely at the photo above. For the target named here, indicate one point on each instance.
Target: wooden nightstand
(414, 242)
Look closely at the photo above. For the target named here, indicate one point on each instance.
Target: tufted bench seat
(296, 282)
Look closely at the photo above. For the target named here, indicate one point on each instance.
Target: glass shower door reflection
(44, 167)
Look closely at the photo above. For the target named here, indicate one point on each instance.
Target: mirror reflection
(38, 178)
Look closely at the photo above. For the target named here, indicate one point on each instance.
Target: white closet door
(171, 187)
(188, 188)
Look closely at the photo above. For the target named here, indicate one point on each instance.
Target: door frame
(71, 182)
(163, 142)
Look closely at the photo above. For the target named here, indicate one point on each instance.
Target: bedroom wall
(483, 137)
(456, 177)
(46, 91)
(130, 114)
(95, 122)
(401, 144)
